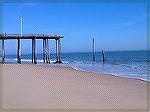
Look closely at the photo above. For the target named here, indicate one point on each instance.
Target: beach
(31, 86)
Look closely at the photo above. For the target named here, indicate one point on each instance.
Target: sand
(30, 86)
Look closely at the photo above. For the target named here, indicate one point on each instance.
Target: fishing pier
(33, 37)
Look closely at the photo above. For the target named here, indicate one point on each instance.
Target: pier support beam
(47, 51)
(46, 57)
(19, 52)
(33, 51)
(44, 50)
(58, 51)
(3, 51)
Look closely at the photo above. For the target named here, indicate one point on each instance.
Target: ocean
(130, 64)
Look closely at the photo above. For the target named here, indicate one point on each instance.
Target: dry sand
(30, 86)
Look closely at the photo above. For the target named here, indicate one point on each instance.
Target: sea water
(131, 64)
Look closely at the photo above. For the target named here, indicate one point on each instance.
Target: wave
(130, 70)
(29, 60)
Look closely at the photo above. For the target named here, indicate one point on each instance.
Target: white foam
(117, 70)
(26, 60)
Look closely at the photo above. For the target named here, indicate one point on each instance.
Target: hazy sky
(115, 26)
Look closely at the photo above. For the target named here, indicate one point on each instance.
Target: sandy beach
(31, 86)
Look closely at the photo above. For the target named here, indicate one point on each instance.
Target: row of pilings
(46, 50)
(103, 54)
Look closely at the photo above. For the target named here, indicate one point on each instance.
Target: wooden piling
(35, 56)
(103, 56)
(18, 52)
(47, 44)
(44, 60)
(33, 51)
(3, 51)
(46, 50)
(59, 51)
(93, 50)
(56, 50)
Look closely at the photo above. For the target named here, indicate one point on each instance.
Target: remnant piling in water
(93, 50)
(103, 56)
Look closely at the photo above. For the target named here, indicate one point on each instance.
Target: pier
(46, 51)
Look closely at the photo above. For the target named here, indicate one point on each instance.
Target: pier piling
(47, 46)
(46, 50)
(19, 52)
(33, 51)
(44, 60)
(3, 51)
(58, 51)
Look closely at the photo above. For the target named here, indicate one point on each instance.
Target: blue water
(132, 64)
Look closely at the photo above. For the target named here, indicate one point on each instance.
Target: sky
(115, 26)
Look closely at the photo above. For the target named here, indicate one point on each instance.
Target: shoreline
(115, 75)
(121, 71)
(43, 87)
(98, 73)
(74, 68)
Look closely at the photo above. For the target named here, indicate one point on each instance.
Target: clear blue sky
(115, 26)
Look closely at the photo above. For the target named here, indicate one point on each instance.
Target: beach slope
(30, 86)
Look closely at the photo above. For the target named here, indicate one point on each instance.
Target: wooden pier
(45, 38)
